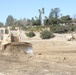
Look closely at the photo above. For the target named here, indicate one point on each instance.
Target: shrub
(59, 29)
(36, 28)
(30, 34)
(46, 34)
(71, 28)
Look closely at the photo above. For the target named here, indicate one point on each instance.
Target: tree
(46, 20)
(40, 15)
(35, 22)
(9, 20)
(56, 12)
(19, 23)
(1, 24)
(74, 18)
(43, 11)
(53, 16)
(66, 19)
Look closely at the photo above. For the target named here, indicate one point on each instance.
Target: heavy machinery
(9, 40)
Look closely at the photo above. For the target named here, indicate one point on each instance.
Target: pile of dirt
(14, 39)
(13, 51)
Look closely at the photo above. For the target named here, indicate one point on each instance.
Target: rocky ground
(55, 56)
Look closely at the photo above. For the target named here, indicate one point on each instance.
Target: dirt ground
(55, 56)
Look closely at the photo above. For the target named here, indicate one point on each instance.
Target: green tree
(53, 16)
(56, 12)
(1, 24)
(46, 20)
(9, 20)
(66, 19)
(40, 16)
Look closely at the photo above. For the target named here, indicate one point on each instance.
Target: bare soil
(55, 56)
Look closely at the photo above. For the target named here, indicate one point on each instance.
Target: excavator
(9, 40)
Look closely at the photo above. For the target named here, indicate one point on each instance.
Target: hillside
(55, 56)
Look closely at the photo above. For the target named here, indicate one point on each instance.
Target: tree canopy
(54, 17)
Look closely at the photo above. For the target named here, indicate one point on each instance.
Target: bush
(59, 29)
(36, 28)
(30, 34)
(71, 28)
(46, 34)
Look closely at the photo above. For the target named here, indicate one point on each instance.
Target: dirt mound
(14, 39)
(13, 51)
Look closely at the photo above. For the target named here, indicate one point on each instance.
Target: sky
(29, 8)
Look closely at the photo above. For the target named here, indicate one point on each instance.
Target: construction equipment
(8, 39)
